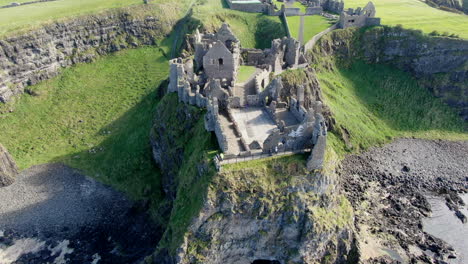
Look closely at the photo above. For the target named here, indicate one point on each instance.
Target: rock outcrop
(440, 64)
(388, 187)
(37, 55)
(8, 168)
(450, 5)
(280, 213)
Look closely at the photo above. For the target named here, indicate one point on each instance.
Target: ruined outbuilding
(360, 17)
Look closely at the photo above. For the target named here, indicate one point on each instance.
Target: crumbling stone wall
(333, 6)
(289, 11)
(314, 10)
(248, 7)
(359, 17)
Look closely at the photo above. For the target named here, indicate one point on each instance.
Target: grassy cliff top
(33, 16)
(416, 15)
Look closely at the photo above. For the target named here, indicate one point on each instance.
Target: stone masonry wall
(39, 55)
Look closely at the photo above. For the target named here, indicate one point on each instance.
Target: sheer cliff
(30, 57)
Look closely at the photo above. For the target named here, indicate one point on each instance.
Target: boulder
(8, 168)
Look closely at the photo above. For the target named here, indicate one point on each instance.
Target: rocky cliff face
(277, 213)
(440, 64)
(453, 5)
(270, 210)
(8, 168)
(38, 55)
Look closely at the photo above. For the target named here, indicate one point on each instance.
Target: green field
(376, 103)
(312, 26)
(20, 17)
(95, 117)
(244, 73)
(33, 16)
(416, 15)
(253, 30)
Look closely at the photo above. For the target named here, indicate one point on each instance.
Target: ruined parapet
(248, 6)
(319, 140)
(292, 11)
(176, 75)
(292, 51)
(297, 110)
(314, 10)
(225, 35)
(359, 17)
(213, 123)
(272, 91)
(262, 79)
(334, 6)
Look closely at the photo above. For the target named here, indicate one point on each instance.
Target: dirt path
(52, 211)
(388, 187)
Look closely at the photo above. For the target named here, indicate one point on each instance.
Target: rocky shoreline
(53, 214)
(387, 188)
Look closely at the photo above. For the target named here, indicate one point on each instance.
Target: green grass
(312, 26)
(253, 30)
(300, 6)
(199, 147)
(294, 23)
(416, 15)
(94, 117)
(24, 18)
(245, 72)
(7, 2)
(29, 15)
(376, 103)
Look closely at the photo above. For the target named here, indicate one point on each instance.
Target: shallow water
(445, 225)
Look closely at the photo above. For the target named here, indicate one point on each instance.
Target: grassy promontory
(94, 117)
(415, 14)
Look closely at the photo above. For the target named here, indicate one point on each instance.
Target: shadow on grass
(267, 30)
(124, 159)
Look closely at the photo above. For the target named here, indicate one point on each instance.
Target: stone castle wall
(251, 7)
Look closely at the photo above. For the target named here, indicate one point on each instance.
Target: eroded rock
(8, 168)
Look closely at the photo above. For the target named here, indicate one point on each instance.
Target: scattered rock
(8, 168)
(393, 202)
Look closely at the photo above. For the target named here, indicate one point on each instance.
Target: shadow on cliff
(124, 159)
(62, 204)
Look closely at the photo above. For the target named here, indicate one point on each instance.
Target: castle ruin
(360, 17)
(248, 116)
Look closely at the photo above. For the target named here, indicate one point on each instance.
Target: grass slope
(253, 30)
(94, 117)
(199, 148)
(312, 26)
(417, 15)
(376, 103)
